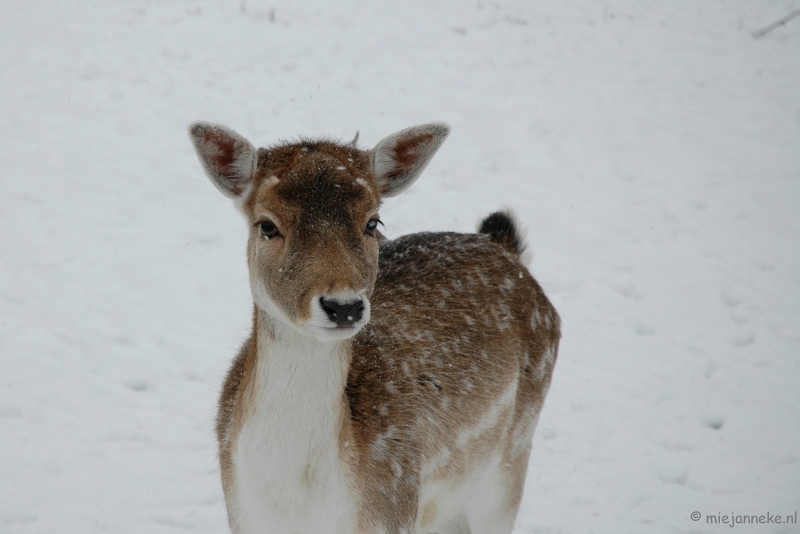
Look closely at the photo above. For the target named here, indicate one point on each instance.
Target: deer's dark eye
(269, 230)
(372, 226)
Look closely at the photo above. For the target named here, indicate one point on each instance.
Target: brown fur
(427, 391)
(457, 322)
(327, 203)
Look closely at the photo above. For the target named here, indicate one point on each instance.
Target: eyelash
(269, 230)
(372, 227)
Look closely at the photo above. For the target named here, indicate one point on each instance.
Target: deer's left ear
(228, 158)
(399, 159)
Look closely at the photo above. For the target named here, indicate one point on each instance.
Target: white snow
(652, 149)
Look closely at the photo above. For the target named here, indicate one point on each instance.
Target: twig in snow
(766, 29)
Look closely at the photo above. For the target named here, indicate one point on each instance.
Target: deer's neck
(300, 384)
(289, 447)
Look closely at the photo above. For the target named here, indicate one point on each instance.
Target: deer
(387, 386)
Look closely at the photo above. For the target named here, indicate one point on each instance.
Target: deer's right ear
(228, 158)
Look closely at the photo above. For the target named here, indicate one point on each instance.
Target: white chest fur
(289, 475)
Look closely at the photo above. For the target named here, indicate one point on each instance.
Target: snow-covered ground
(652, 149)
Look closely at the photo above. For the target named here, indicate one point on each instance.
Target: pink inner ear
(223, 157)
(407, 154)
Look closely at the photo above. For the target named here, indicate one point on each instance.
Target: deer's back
(459, 331)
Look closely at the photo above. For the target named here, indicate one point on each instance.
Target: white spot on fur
(537, 319)
(380, 449)
(541, 369)
(508, 285)
(397, 469)
(436, 462)
(550, 355)
(490, 417)
(271, 181)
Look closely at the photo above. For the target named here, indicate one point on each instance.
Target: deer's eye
(268, 229)
(372, 226)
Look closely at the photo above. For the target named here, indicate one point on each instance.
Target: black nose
(343, 314)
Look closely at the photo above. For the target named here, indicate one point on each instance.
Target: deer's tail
(502, 228)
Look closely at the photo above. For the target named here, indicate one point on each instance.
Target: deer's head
(312, 209)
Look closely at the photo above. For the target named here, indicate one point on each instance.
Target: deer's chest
(289, 482)
(288, 470)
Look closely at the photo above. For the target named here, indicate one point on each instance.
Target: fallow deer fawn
(387, 386)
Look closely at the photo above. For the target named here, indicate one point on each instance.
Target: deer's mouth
(334, 332)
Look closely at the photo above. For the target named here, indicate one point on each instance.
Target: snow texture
(651, 149)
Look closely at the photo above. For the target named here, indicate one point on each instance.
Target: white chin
(334, 333)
